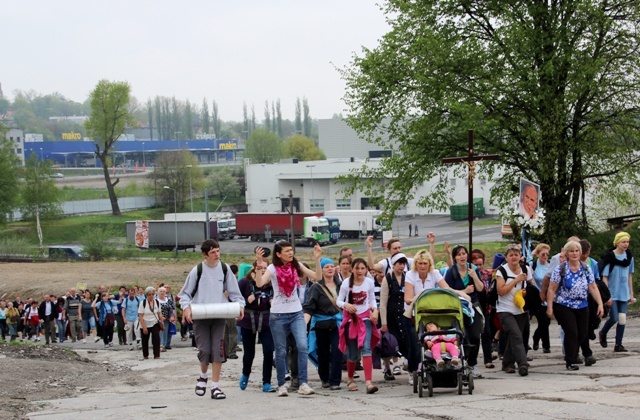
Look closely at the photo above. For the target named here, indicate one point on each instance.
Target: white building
(16, 137)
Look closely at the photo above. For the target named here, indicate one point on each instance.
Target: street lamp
(175, 214)
(144, 161)
(190, 190)
(41, 155)
(312, 197)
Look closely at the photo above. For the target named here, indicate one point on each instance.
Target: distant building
(16, 137)
(338, 140)
(76, 119)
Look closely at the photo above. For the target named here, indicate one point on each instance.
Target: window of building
(19, 151)
(343, 204)
(316, 205)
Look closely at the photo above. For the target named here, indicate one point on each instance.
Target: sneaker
(106, 346)
(325, 385)
(455, 361)
(84, 341)
(589, 360)
(335, 387)
(546, 351)
(523, 370)
(244, 381)
(295, 385)
(110, 344)
(231, 356)
(603, 339)
(440, 363)
(287, 377)
(411, 379)
(579, 360)
(305, 389)
(475, 372)
(509, 369)
(619, 348)
(268, 388)
(397, 370)
(573, 367)
(282, 391)
(388, 376)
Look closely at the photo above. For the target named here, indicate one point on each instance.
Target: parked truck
(308, 228)
(161, 234)
(225, 224)
(357, 223)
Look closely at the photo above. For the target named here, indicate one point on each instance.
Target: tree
(306, 118)
(109, 117)
(264, 146)
(223, 183)
(206, 119)
(298, 120)
(159, 122)
(176, 170)
(302, 148)
(188, 120)
(278, 117)
(217, 123)
(246, 126)
(267, 116)
(150, 117)
(40, 198)
(552, 87)
(9, 186)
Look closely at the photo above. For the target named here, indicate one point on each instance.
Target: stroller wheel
(430, 385)
(420, 387)
(459, 383)
(470, 385)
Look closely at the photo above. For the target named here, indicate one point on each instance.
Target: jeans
(249, 343)
(165, 337)
(329, 356)
(88, 324)
(618, 307)
(281, 325)
(352, 343)
(62, 327)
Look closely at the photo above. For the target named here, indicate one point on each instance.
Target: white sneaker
(397, 370)
(475, 372)
(411, 378)
(282, 391)
(305, 389)
(84, 340)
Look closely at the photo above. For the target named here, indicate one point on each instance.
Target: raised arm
(372, 264)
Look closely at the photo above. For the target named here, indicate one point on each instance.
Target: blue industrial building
(74, 154)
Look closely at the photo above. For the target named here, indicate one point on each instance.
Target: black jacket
(42, 309)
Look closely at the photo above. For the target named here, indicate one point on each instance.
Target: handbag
(109, 321)
(172, 328)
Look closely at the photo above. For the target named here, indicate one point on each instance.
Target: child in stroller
(440, 342)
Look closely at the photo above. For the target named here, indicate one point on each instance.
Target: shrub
(98, 242)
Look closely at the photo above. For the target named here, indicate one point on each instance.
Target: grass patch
(484, 222)
(132, 190)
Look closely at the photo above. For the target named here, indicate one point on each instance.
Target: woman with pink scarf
(286, 314)
(358, 334)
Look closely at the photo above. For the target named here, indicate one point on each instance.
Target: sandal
(372, 389)
(352, 385)
(217, 394)
(201, 386)
(163, 348)
(489, 365)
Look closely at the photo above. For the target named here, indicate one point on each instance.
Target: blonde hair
(570, 246)
(541, 247)
(422, 256)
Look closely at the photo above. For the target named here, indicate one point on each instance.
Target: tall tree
(306, 118)
(217, 123)
(150, 117)
(206, 119)
(109, 118)
(553, 87)
(176, 169)
(298, 120)
(278, 130)
(176, 120)
(274, 126)
(267, 116)
(246, 124)
(253, 117)
(159, 122)
(264, 146)
(9, 186)
(188, 121)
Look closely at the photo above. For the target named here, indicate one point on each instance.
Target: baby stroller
(443, 308)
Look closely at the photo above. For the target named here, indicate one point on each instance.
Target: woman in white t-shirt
(286, 314)
(513, 318)
(360, 313)
(424, 276)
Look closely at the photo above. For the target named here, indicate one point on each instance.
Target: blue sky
(230, 51)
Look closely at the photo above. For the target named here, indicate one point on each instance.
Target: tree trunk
(115, 208)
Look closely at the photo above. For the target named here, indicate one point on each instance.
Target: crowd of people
(339, 315)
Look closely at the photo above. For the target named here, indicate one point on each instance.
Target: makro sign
(227, 146)
(71, 136)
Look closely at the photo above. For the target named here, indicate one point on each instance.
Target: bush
(97, 242)
(17, 246)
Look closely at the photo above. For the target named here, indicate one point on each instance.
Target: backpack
(199, 273)
(609, 259)
(144, 303)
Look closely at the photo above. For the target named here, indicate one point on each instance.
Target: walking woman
(358, 334)
(255, 323)
(322, 311)
(105, 312)
(464, 277)
(570, 284)
(168, 313)
(617, 275)
(511, 278)
(540, 267)
(286, 309)
(150, 318)
(85, 314)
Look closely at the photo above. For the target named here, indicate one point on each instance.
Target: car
(67, 252)
(57, 175)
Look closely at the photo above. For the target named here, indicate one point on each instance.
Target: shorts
(209, 336)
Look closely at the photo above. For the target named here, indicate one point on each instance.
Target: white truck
(357, 223)
(225, 223)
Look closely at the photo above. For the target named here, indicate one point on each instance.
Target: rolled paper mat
(215, 310)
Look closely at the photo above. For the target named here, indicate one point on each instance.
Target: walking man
(207, 283)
